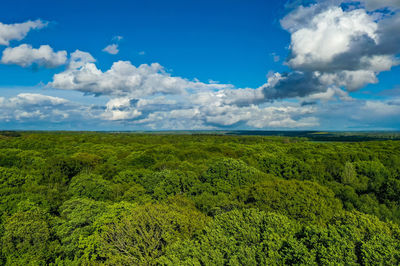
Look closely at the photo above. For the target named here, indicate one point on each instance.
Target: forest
(91, 198)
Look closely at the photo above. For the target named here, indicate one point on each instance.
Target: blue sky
(226, 64)
(196, 39)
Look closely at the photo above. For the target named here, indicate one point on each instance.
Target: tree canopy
(69, 198)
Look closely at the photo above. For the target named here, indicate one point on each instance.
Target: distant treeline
(70, 198)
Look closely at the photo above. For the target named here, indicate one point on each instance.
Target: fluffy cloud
(111, 49)
(330, 95)
(154, 113)
(335, 47)
(328, 34)
(338, 40)
(203, 117)
(275, 116)
(184, 113)
(34, 99)
(209, 110)
(29, 106)
(79, 59)
(291, 85)
(24, 55)
(121, 109)
(18, 31)
(123, 79)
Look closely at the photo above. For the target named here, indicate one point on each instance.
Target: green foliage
(27, 238)
(173, 183)
(59, 170)
(69, 198)
(136, 193)
(227, 173)
(252, 237)
(132, 235)
(142, 160)
(90, 186)
(285, 167)
(349, 175)
(86, 160)
(247, 237)
(375, 242)
(301, 200)
(76, 222)
(374, 173)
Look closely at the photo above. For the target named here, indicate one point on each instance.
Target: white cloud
(36, 99)
(24, 55)
(111, 49)
(208, 110)
(123, 79)
(30, 106)
(79, 59)
(329, 34)
(240, 97)
(275, 116)
(336, 47)
(213, 116)
(330, 94)
(18, 31)
(352, 80)
(120, 109)
(163, 113)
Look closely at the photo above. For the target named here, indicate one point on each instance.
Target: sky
(200, 65)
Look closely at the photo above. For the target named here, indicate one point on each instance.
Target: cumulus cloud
(292, 84)
(275, 116)
(111, 49)
(210, 110)
(164, 113)
(338, 40)
(328, 34)
(36, 99)
(24, 55)
(231, 116)
(329, 95)
(79, 59)
(18, 31)
(121, 109)
(30, 106)
(333, 47)
(123, 79)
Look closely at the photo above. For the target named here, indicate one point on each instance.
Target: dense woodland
(137, 199)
